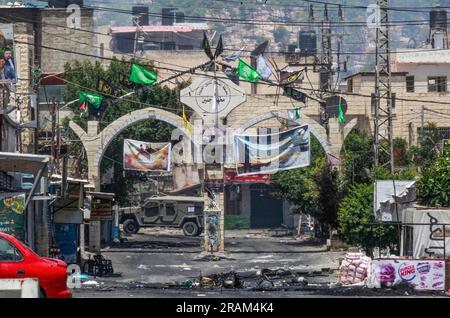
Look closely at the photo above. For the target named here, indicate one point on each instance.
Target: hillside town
(224, 149)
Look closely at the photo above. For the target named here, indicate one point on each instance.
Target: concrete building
(419, 79)
(44, 40)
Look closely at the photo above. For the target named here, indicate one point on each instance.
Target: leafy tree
(434, 185)
(357, 153)
(425, 154)
(329, 193)
(313, 190)
(357, 221)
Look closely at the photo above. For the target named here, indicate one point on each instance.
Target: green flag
(341, 118)
(91, 99)
(247, 73)
(140, 75)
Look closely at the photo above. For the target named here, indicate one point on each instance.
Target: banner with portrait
(8, 67)
(12, 217)
(256, 154)
(146, 156)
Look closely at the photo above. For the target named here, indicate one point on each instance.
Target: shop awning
(36, 165)
(23, 163)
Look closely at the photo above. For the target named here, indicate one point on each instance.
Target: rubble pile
(354, 269)
(226, 280)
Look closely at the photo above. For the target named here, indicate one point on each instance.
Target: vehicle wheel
(130, 226)
(190, 228)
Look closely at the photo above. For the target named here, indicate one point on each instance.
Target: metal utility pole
(326, 61)
(422, 123)
(54, 134)
(383, 132)
(136, 34)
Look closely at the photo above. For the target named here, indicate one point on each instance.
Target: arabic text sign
(256, 154)
(12, 214)
(145, 156)
(421, 274)
(101, 209)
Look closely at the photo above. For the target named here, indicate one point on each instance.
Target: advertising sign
(101, 209)
(230, 176)
(421, 274)
(146, 156)
(265, 154)
(12, 218)
(7, 61)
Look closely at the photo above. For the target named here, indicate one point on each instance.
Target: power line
(260, 22)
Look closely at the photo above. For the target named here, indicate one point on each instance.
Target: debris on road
(226, 280)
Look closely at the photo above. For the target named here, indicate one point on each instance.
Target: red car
(18, 261)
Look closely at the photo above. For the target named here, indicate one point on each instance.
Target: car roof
(175, 198)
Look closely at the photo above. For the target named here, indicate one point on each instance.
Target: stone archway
(96, 143)
(332, 144)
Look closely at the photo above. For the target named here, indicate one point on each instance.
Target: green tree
(425, 154)
(357, 153)
(314, 190)
(433, 188)
(357, 221)
(327, 183)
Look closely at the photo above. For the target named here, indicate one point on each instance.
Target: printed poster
(421, 274)
(12, 219)
(8, 65)
(267, 154)
(146, 156)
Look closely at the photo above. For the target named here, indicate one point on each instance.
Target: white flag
(234, 56)
(263, 68)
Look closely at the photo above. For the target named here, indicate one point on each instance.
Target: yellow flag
(186, 123)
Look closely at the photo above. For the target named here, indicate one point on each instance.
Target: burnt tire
(190, 228)
(130, 226)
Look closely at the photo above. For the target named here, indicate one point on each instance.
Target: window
(410, 84)
(170, 209)
(8, 252)
(350, 86)
(437, 84)
(152, 210)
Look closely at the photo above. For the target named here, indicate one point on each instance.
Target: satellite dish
(332, 105)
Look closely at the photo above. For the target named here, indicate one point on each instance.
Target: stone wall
(56, 34)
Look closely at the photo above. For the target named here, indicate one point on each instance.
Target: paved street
(155, 262)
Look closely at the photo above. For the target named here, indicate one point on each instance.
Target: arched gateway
(96, 143)
(332, 144)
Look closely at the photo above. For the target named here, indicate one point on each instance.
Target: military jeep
(173, 211)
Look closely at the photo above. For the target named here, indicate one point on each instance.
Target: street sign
(209, 96)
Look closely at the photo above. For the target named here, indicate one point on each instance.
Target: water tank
(292, 48)
(168, 16)
(179, 17)
(438, 19)
(142, 13)
(307, 42)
